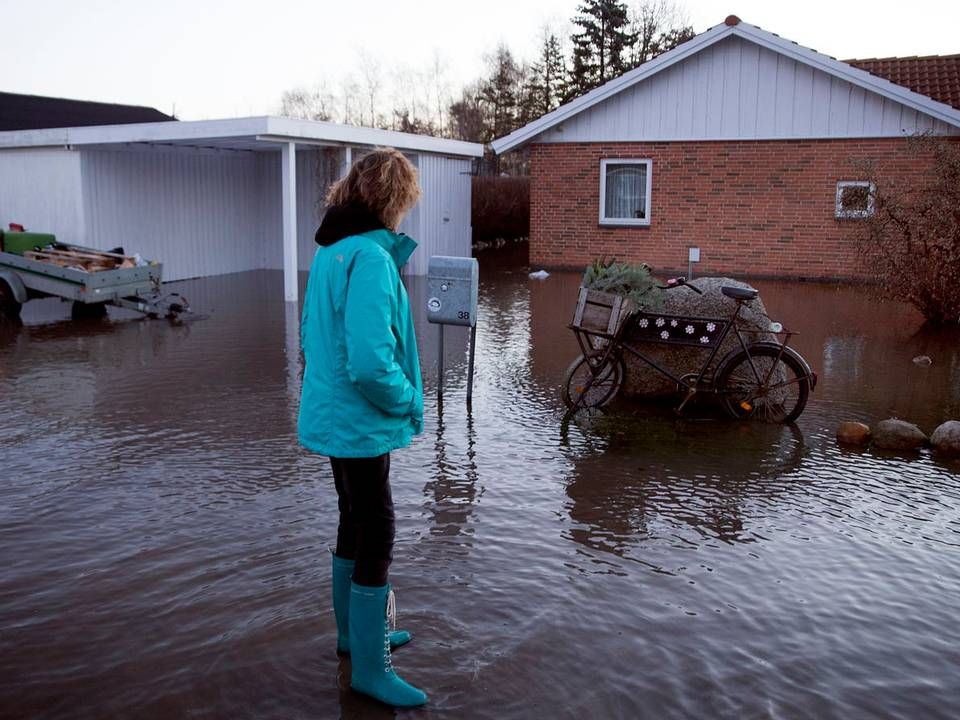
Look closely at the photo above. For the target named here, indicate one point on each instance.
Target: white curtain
(626, 191)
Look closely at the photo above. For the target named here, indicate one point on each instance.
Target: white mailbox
(452, 288)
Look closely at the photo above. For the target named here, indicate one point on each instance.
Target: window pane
(626, 191)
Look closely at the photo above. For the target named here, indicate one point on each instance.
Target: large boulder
(896, 434)
(946, 439)
(642, 381)
(853, 433)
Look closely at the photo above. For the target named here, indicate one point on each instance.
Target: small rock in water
(896, 434)
(853, 433)
(923, 360)
(946, 439)
(540, 275)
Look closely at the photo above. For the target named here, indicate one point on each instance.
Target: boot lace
(390, 623)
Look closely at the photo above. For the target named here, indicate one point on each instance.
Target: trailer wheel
(88, 311)
(9, 307)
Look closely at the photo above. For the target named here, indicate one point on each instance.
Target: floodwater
(164, 541)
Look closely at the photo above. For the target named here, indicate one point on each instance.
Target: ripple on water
(164, 541)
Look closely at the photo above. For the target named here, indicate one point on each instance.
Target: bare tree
(440, 86)
(372, 78)
(307, 104)
(351, 112)
(909, 232)
(658, 25)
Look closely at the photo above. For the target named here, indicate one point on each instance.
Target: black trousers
(366, 529)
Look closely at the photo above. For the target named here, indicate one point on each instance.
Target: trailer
(36, 265)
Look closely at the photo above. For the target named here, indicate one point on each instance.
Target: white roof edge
(282, 128)
(135, 132)
(319, 130)
(709, 37)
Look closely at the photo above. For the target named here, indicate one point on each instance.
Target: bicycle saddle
(739, 293)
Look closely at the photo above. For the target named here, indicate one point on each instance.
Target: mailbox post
(452, 290)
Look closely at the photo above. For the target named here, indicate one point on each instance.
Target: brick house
(739, 143)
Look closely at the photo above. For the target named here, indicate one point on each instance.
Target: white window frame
(845, 214)
(604, 220)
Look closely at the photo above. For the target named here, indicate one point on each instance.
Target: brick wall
(754, 208)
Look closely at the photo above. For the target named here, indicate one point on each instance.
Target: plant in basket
(632, 281)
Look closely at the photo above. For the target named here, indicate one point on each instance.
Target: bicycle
(764, 379)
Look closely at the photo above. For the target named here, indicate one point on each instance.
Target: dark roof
(936, 76)
(28, 112)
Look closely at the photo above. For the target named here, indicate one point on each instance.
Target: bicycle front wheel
(590, 384)
(765, 383)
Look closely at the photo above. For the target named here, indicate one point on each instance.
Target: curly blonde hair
(383, 181)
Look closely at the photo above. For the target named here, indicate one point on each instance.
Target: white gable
(738, 81)
(736, 89)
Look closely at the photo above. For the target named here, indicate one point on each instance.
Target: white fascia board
(286, 129)
(611, 88)
(269, 129)
(171, 131)
(851, 74)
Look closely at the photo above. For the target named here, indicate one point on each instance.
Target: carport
(218, 196)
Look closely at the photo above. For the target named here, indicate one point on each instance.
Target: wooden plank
(84, 259)
(581, 301)
(66, 260)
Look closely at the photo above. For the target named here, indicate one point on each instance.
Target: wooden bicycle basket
(600, 313)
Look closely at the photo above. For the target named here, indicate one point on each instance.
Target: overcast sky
(210, 59)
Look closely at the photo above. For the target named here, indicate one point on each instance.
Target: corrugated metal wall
(40, 188)
(443, 211)
(738, 90)
(199, 212)
(207, 212)
(316, 169)
(440, 222)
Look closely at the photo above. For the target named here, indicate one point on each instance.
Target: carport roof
(251, 134)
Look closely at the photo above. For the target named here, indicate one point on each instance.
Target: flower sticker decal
(689, 329)
(644, 323)
(673, 323)
(661, 322)
(704, 339)
(665, 335)
(711, 327)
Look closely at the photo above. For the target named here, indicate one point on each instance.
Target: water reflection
(638, 482)
(452, 489)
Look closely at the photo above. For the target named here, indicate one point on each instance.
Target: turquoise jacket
(362, 392)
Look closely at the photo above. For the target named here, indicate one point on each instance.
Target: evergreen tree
(467, 121)
(599, 49)
(499, 94)
(546, 88)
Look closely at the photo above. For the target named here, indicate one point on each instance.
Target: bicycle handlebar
(678, 282)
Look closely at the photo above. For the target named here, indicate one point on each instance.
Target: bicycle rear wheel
(765, 383)
(589, 384)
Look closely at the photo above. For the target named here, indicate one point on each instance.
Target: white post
(291, 321)
(347, 160)
(288, 184)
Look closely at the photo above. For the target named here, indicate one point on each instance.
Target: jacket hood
(342, 221)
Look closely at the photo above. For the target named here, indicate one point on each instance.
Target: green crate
(19, 242)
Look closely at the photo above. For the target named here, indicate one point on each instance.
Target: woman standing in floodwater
(362, 398)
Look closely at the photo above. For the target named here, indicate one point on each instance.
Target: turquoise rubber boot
(372, 673)
(342, 574)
